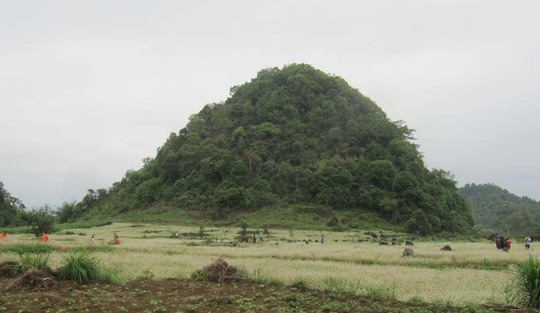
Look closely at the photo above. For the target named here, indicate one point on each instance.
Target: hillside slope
(291, 136)
(502, 211)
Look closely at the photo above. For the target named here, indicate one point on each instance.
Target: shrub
(525, 287)
(81, 267)
(35, 260)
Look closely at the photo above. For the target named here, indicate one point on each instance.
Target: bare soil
(188, 296)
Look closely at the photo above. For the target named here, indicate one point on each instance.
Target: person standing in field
(508, 243)
(528, 242)
(255, 237)
(261, 234)
(322, 239)
(45, 237)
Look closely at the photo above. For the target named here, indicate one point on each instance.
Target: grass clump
(31, 256)
(82, 267)
(525, 287)
(36, 260)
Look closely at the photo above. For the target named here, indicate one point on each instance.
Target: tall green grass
(31, 256)
(37, 260)
(82, 267)
(525, 287)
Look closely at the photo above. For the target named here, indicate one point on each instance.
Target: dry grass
(433, 275)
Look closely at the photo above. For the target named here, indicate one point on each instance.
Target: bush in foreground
(525, 287)
(83, 268)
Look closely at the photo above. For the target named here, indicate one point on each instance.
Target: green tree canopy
(294, 135)
(10, 208)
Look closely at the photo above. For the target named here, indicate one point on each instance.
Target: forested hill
(497, 209)
(291, 136)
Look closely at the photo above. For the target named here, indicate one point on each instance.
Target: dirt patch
(174, 295)
(9, 269)
(33, 279)
(220, 272)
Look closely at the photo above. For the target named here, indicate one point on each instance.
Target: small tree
(40, 220)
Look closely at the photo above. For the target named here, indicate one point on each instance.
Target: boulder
(408, 252)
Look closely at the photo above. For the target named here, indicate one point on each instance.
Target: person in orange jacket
(45, 237)
(3, 234)
(508, 243)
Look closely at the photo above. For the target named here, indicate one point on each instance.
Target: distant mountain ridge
(502, 211)
(290, 136)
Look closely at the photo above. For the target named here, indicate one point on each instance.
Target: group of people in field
(44, 236)
(506, 243)
(500, 241)
(503, 243)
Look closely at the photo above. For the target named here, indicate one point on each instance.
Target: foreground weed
(192, 308)
(83, 268)
(37, 260)
(525, 287)
(300, 284)
(158, 305)
(338, 285)
(379, 292)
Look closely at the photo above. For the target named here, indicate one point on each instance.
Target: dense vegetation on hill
(291, 136)
(497, 209)
(10, 208)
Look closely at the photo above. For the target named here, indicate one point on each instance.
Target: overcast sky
(88, 89)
